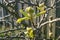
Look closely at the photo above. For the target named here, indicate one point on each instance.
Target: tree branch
(54, 20)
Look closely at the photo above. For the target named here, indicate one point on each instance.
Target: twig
(4, 17)
(11, 30)
(54, 20)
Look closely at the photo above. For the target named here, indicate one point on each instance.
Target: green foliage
(22, 19)
(29, 33)
(23, 12)
(41, 7)
(29, 10)
(2, 35)
(40, 13)
(28, 13)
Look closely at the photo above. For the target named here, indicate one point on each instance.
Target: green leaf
(24, 13)
(40, 13)
(22, 19)
(29, 10)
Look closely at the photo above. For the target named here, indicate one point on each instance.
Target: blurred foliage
(29, 33)
(29, 13)
(2, 35)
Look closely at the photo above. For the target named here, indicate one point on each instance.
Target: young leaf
(22, 19)
(29, 10)
(41, 13)
(41, 7)
(24, 13)
(30, 32)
